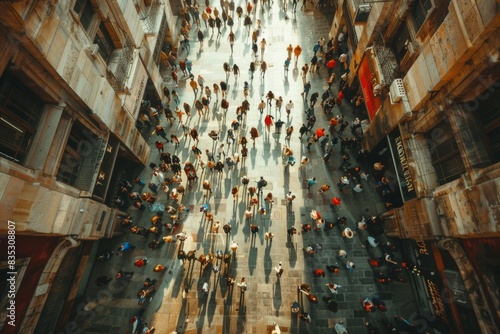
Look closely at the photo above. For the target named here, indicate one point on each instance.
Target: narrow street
(267, 299)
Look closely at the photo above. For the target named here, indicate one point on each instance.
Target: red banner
(365, 79)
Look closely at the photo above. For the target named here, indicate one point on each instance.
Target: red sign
(365, 79)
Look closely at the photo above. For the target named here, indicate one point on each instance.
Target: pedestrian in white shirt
(279, 270)
(289, 106)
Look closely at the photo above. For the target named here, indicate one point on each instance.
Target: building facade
(429, 73)
(72, 78)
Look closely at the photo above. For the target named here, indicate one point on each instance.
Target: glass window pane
(20, 112)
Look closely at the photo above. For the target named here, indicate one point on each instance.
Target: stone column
(44, 137)
(57, 146)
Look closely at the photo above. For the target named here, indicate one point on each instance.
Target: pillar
(45, 135)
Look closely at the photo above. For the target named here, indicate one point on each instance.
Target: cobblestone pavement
(267, 300)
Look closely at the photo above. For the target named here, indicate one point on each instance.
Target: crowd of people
(224, 150)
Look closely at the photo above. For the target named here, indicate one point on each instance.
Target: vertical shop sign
(365, 79)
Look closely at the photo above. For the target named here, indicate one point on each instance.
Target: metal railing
(122, 68)
(151, 16)
(387, 62)
(159, 39)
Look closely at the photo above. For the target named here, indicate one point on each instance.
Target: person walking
(288, 108)
(311, 182)
(140, 262)
(208, 93)
(289, 131)
(263, 69)
(175, 78)
(342, 255)
(200, 38)
(314, 62)
(230, 23)
(236, 72)
(350, 266)
(344, 181)
(319, 272)
(234, 247)
(269, 236)
(263, 44)
(291, 231)
(254, 134)
(345, 162)
(247, 23)
(305, 68)
(330, 65)
(160, 131)
(242, 285)
(218, 24)
(307, 88)
(261, 106)
(279, 103)
(289, 199)
(279, 270)
(182, 66)
(358, 188)
(314, 99)
(226, 228)
(234, 192)
(268, 121)
(159, 146)
(303, 162)
(194, 86)
(297, 51)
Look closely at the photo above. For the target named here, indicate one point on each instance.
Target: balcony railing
(151, 17)
(387, 63)
(122, 68)
(159, 39)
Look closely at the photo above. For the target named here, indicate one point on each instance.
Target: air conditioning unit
(410, 46)
(92, 50)
(362, 13)
(397, 91)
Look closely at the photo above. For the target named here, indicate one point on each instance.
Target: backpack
(316, 47)
(264, 183)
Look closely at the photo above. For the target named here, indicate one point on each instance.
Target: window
(83, 8)
(20, 112)
(105, 42)
(399, 46)
(419, 13)
(488, 113)
(80, 155)
(445, 153)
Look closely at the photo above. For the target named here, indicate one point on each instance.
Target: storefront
(104, 177)
(426, 281)
(395, 180)
(485, 253)
(440, 288)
